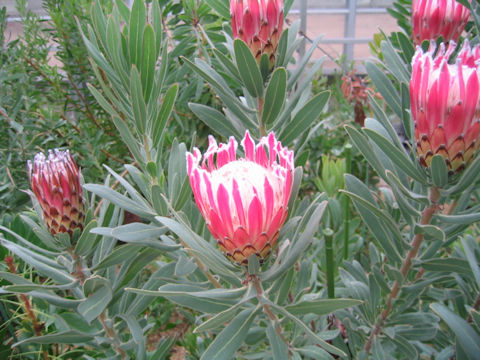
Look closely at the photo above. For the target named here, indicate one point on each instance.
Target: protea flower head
(445, 102)
(244, 201)
(55, 181)
(259, 24)
(434, 18)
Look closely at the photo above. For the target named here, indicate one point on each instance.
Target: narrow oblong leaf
(465, 334)
(304, 117)
(87, 240)
(248, 68)
(230, 338)
(397, 156)
(274, 96)
(135, 31)
(149, 59)
(65, 337)
(439, 171)
(279, 347)
(119, 200)
(385, 87)
(164, 114)
(215, 120)
(94, 305)
(321, 306)
(138, 102)
(299, 244)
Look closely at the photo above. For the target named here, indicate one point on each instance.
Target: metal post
(303, 25)
(350, 20)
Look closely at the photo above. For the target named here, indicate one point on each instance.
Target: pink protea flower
(259, 24)
(244, 201)
(55, 181)
(434, 18)
(445, 102)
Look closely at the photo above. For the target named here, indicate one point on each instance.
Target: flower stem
(427, 215)
(476, 305)
(328, 234)
(261, 126)
(346, 202)
(267, 310)
(200, 265)
(37, 326)
(112, 335)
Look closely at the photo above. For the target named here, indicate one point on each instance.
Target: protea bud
(445, 101)
(244, 201)
(434, 18)
(55, 181)
(259, 24)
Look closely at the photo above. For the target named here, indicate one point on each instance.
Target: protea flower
(434, 18)
(244, 201)
(445, 101)
(55, 181)
(259, 24)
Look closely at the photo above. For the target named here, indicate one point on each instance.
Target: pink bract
(259, 24)
(55, 181)
(434, 18)
(244, 201)
(445, 103)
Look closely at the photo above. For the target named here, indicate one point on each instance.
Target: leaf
(468, 178)
(135, 32)
(394, 62)
(164, 114)
(466, 336)
(316, 338)
(439, 171)
(390, 240)
(279, 347)
(397, 156)
(385, 87)
(87, 240)
(248, 68)
(149, 59)
(274, 96)
(314, 352)
(138, 102)
(321, 306)
(41, 263)
(120, 200)
(299, 244)
(121, 254)
(304, 117)
(194, 297)
(222, 317)
(128, 138)
(215, 120)
(472, 260)
(220, 6)
(459, 219)
(451, 264)
(431, 232)
(366, 149)
(231, 338)
(94, 305)
(65, 337)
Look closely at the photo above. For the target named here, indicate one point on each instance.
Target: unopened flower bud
(55, 181)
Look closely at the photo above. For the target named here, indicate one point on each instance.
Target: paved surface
(331, 26)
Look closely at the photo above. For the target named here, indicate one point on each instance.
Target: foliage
(378, 257)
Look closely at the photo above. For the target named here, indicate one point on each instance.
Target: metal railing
(350, 11)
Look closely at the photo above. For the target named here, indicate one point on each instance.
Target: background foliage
(135, 90)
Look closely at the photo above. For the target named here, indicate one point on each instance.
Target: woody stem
(427, 215)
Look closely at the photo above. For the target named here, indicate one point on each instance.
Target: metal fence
(350, 11)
